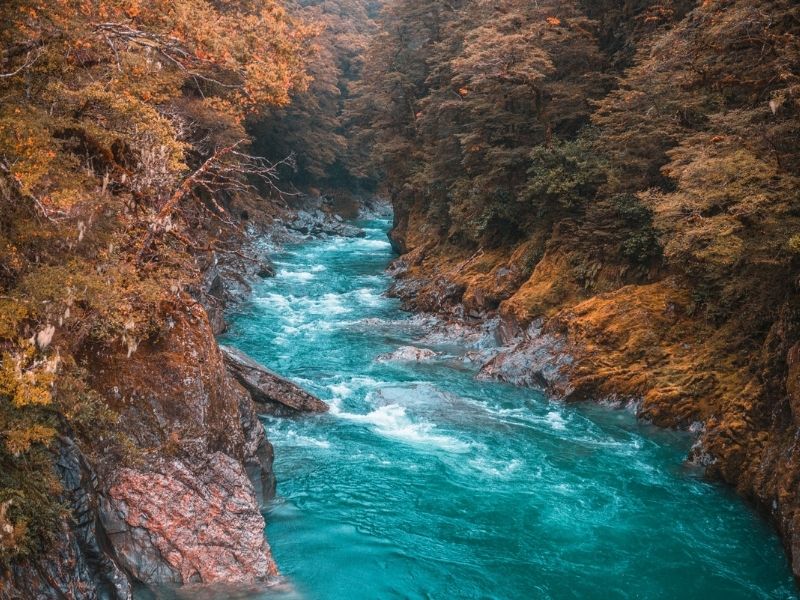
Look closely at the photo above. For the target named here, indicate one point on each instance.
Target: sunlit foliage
(121, 125)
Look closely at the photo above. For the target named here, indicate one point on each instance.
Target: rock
(174, 520)
(227, 278)
(317, 223)
(408, 354)
(211, 293)
(375, 207)
(178, 523)
(537, 361)
(273, 393)
(265, 269)
(793, 381)
(258, 451)
(436, 296)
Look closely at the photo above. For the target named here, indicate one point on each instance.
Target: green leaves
(565, 175)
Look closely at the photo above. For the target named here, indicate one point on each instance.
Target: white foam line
(392, 421)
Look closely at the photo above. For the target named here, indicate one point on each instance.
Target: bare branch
(41, 209)
(27, 64)
(171, 48)
(227, 169)
(212, 247)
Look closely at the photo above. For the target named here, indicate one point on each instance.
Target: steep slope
(128, 455)
(619, 182)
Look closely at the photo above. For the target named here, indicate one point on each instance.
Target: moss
(565, 175)
(794, 244)
(29, 491)
(642, 247)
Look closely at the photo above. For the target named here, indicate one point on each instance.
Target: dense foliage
(667, 133)
(121, 126)
(314, 126)
(614, 142)
(628, 174)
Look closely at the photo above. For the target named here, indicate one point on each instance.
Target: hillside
(622, 177)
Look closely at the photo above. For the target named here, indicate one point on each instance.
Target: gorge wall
(618, 182)
(129, 201)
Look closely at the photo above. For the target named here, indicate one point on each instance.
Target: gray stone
(273, 393)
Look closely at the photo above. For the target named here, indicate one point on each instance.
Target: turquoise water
(425, 483)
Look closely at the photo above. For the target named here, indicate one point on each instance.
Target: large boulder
(317, 223)
(408, 354)
(273, 393)
(189, 510)
(183, 522)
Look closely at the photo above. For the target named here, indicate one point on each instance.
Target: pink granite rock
(180, 523)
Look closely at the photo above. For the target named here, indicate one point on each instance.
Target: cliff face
(186, 508)
(128, 455)
(183, 505)
(618, 182)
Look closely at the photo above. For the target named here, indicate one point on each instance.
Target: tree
(121, 127)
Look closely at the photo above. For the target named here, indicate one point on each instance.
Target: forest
(622, 173)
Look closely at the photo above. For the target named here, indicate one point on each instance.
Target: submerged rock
(265, 269)
(274, 394)
(408, 354)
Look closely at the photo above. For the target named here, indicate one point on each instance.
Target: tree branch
(27, 64)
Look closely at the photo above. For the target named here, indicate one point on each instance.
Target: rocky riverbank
(185, 508)
(642, 346)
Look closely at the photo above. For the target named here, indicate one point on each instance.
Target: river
(422, 482)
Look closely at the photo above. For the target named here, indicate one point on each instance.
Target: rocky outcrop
(187, 521)
(539, 360)
(185, 507)
(176, 398)
(317, 223)
(408, 354)
(273, 393)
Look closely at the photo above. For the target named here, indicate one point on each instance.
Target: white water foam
(341, 390)
(298, 275)
(330, 304)
(296, 439)
(371, 244)
(556, 421)
(495, 469)
(272, 298)
(369, 296)
(296, 309)
(392, 421)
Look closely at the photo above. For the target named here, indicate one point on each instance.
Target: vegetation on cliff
(315, 126)
(122, 126)
(627, 171)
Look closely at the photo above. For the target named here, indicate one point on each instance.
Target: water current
(422, 482)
